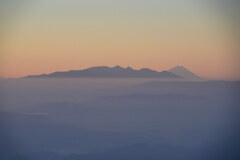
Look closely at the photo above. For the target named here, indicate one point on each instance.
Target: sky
(59, 35)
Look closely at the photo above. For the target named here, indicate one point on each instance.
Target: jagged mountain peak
(109, 72)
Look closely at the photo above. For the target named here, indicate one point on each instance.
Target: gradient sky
(58, 35)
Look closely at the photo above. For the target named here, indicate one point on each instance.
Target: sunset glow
(48, 36)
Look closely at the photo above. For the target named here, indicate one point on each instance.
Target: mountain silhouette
(108, 72)
(184, 73)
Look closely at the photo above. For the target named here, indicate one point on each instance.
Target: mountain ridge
(110, 72)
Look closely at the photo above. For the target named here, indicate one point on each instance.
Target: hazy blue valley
(119, 119)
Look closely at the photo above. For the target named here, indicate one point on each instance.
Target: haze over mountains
(82, 119)
(178, 72)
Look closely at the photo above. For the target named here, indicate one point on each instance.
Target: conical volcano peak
(179, 67)
(183, 72)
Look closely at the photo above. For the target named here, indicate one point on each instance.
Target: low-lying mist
(119, 118)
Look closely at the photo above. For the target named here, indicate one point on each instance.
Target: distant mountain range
(178, 72)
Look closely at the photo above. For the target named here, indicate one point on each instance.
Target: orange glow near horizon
(39, 43)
